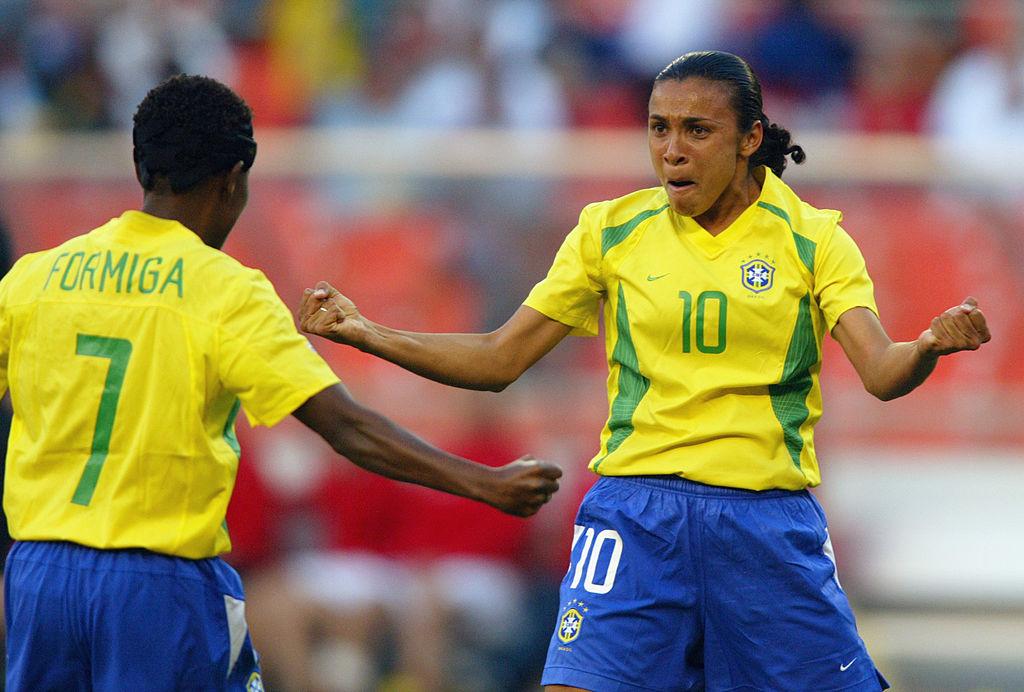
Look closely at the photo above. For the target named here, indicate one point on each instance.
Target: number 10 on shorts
(599, 548)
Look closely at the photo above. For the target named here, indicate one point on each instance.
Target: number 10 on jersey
(695, 324)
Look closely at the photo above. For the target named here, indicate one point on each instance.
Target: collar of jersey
(714, 245)
(135, 221)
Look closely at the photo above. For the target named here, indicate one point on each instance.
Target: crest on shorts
(255, 683)
(571, 621)
(757, 274)
(569, 625)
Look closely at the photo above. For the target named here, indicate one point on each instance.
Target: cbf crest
(571, 621)
(757, 273)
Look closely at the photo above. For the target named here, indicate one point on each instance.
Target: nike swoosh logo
(651, 277)
(843, 668)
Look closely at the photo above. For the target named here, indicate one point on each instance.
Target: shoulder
(609, 223)
(24, 266)
(223, 269)
(630, 208)
(44, 261)
(811, 223)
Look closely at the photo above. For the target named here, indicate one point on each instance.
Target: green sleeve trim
(805, 247)
(632, 384)
(613, 235)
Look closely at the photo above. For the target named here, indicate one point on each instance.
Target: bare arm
(376, 444)
(890, 370)
(489, 361)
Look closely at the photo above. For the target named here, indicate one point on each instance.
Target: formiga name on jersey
(124, 273)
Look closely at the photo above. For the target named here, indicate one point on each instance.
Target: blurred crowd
(357, 583)
(886, 65)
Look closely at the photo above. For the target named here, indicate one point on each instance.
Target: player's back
(124, 432)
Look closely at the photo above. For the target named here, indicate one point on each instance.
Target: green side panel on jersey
(632, 384)
(232, 439)
(789, 395)
(805, 247)
(613, 235)
(229, 429)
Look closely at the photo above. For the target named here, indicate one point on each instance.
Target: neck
(191, 211)
(741, 193)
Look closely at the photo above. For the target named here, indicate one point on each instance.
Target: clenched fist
(523, 486)
(327, 313)
(961, 328)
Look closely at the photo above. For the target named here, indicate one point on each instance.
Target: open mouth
(681, 184)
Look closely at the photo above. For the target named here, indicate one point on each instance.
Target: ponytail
(775, 148)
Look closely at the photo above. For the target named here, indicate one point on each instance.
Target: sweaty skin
(699, 154)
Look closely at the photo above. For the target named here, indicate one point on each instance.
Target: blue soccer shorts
(86, 619)
(676, 585)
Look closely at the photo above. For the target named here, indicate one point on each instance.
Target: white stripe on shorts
(237, 628)
(826, 547)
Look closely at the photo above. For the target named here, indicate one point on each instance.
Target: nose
(675, 150)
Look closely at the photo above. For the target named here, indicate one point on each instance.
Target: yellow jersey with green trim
(127, 352)
(713, 341)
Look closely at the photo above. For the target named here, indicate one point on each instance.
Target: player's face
(697, 150)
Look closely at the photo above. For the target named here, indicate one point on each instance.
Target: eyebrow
(692, 120)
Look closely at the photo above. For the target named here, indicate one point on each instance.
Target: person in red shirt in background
(361, 584)
(438, 587)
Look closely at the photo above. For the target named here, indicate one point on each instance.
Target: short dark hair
(188, 128)
(719, 66)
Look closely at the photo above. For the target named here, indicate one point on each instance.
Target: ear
(751, 140)
(231, 179)
(138, 169)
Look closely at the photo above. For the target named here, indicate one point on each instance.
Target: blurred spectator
(270, 519)
(437, 579)
(143, 42)
(527, 93)
(656, 32)
(897, 68)
(449, 87)
(805, 62)
(244, 20)
(977, 110)
(602, 87)
(19, 103)
(310, 47)
(59, 59)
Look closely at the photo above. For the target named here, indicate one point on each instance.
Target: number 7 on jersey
(118, 351)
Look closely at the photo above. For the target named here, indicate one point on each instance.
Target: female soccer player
(699, 559)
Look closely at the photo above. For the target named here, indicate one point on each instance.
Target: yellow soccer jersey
(127, 352)
(713, 342)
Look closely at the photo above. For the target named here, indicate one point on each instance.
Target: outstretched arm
(489, 361)
(378, 445)
(890, 370)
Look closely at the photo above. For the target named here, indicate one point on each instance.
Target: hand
(962, 328)
(327, 313)
(523, 486)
